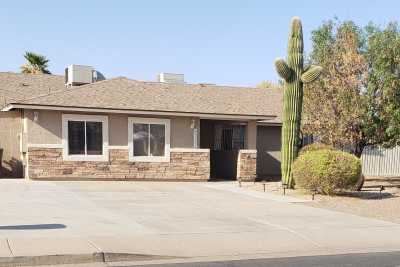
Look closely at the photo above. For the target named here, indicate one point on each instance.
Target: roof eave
(269, 123)
(142, 112)
(8, 107)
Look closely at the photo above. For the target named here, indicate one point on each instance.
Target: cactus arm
(311, 74)
(284, 71)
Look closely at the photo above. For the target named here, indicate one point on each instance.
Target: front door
(228, 140)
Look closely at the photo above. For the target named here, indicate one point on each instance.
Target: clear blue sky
(224, 42)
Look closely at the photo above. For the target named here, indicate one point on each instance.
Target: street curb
(77, 259)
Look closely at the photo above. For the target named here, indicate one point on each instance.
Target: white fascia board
(8, 108)
(142, 112)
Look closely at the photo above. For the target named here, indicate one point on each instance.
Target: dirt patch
(369, 202)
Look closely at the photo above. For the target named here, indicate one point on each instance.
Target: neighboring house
(55, 127)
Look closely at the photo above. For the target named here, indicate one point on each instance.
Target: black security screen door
(226, 139)
(229, 137)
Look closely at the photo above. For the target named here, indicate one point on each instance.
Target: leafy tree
(35, 64)
(382, 123)
(334, 106)
(356, 103)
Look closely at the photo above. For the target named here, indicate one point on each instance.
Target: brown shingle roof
(17, 86)
(125, 94)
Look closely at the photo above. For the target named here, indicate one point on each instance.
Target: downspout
(195, 132)
(23, 143)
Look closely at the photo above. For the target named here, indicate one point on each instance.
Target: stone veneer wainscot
(247, 165)
(185, 164)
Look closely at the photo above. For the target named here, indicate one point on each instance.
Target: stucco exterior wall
(182, 133)
(118, 129)
(10, 146)
(48, 129)
(251, 135)
(47, 161)
(268, 151)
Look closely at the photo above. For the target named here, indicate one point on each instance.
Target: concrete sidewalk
(78, 222)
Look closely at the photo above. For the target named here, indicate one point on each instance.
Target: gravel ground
(368, 202)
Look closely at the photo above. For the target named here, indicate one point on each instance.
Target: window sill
(85, 158)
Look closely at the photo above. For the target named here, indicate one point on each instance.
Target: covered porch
(232, 146)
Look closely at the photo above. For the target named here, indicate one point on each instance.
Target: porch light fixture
(35, 115)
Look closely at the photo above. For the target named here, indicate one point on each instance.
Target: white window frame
(166, 123)
(78, 117)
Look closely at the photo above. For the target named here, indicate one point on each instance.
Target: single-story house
(74, 127)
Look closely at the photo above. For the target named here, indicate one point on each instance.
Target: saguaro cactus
(294, 75)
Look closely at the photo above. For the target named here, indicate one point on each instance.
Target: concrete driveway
(200, 220)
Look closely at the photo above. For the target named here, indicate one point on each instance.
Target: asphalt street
(383, 259)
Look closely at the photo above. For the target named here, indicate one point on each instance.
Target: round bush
(326, 171)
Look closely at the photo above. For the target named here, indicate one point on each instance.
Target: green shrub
(314, 147)
(326, 171)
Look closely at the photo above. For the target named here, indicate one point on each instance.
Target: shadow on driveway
(33, 226)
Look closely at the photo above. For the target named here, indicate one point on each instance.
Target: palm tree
(35, 64)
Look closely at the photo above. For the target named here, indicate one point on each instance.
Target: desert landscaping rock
(368, 203)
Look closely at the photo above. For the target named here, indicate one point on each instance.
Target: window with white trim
(85, 137)
(149, 139)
